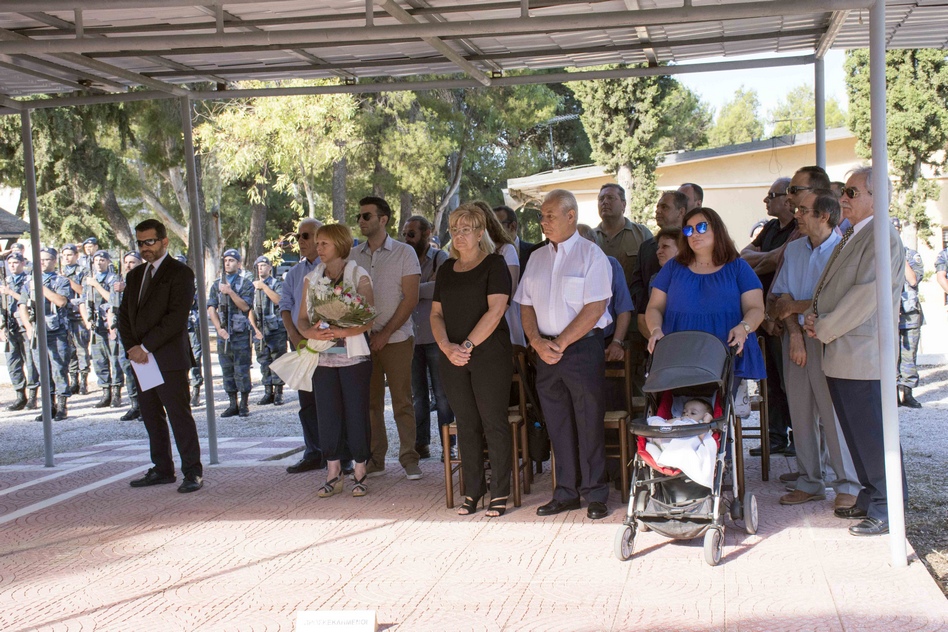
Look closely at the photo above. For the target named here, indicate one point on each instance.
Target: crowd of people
(797, 304)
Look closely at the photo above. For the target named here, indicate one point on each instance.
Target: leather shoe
(870, 526)
(152, 478)
(850, 512)
(789, 477)
(305, 465)
(596, 511)
(774, 449)
(191, 483)
(798, 497)
(844, 501)
(554, 507)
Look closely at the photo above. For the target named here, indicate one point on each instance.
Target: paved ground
(80, 549)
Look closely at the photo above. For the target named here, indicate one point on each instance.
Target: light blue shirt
(802, 266)
(292, 293)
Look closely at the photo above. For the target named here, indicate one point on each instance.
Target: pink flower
(357, 300)
(337, 291)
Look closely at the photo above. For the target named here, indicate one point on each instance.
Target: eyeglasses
(462, 232)
(410, 234)
(802, 210)
(773, 196)
(852, 192)
(303, 236)
(366, 216)
(146, 242)
(795, 189)
(701, 227)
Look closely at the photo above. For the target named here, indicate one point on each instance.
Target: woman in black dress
(471, 294)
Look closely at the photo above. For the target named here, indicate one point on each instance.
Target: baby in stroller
(694, 455)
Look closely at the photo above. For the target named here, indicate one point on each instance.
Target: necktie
(836, 251)
(149, 272)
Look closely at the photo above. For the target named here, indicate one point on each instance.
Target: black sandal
(359, 489)
(498, 506)
(468, 507)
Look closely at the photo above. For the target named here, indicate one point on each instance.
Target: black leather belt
(589, 334)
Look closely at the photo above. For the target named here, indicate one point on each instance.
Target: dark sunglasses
(701, 227)
(409, 234)
(146, 242)
(852, 192)
(774, 196)
(795, 189)
(366, 216)
(303, 236)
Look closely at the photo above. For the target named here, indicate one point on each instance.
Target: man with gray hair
(563, 297)
(844, 317)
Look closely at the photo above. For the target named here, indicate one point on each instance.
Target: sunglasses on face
(795, 189)
(773, 196)
(146, 242)
(303, 236)
(409, 234)
(852, 192)
(366, 216)
(700, 227)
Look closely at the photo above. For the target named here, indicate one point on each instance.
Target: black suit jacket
(525, 249)
(646, 266)
(161, 323)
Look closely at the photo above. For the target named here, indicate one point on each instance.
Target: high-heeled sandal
(359, 489)
(468, 507)
(331, 488)
(497, 507)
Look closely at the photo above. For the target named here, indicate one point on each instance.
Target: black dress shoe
(348, 467)
(596, 511)
(191, 483)
(424, 452)
(774, 449)
(849, 512)
(870, 526)
(790, 450)
(152, 478)
(554, 507)
(305, 465)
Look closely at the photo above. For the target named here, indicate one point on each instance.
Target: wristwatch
(747, 328)
(468, 345)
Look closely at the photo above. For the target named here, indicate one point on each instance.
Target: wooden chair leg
(448, 473)
(624, 457)
(515, 470)
(525, 464)
(764, 432)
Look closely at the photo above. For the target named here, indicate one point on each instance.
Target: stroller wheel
(751, 520)
(713, 545)
(624, 542)
(737, 510)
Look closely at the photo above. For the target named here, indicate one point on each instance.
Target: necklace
(462, 266)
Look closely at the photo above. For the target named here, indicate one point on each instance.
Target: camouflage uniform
(911, 320)
(941, 265)
(23, 373)
(194, 335)
(105, 354)
(235, 364)
(270, 323)
(79, 336)
(57, 336)
(115, 299)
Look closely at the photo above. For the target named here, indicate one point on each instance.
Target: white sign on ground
(336, 621)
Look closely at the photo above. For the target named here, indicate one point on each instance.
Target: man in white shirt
(563, 297)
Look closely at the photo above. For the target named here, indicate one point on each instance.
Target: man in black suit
(508, 218)
(153, 319)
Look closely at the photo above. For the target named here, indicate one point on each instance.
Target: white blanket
(694, 456)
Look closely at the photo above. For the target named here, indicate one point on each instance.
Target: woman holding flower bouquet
(338, 295)
(471, 294)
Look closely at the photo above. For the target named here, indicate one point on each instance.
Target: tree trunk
(340, 169)
(209, 204)
(625, 180)
(379, 172)
(117, 220)
(258, 227)
(404, 210)
(450, 201)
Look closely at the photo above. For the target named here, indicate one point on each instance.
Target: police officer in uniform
(194, 335)
(911, 320)
(89, 247)
(269, 331)
(96, 312)
(53, 308)
(130, 261)
(23, 373)
(76, 271)
(228, 306)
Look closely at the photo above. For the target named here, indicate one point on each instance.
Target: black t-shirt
(463, 296)
(771, 237)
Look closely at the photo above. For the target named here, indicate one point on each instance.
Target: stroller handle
(640, 428)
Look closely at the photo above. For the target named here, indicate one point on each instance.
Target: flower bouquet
(331, 305)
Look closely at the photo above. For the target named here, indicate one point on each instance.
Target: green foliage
(917, 123)
(738, 121)
(687, 121)
(796, 112)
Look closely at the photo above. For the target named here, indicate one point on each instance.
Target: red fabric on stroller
(664, 411)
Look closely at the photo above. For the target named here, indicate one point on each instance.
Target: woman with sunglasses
(472, 291)
(709, 288)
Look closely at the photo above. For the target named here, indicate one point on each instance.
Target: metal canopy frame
(129, 50)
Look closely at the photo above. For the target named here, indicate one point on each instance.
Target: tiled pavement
(81, 550)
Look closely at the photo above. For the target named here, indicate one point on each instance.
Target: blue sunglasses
(701, 227)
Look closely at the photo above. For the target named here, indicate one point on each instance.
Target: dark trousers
(778, 410)
(478, 393)
(57, 343)
(309, 420)
(197, 377)
(105, 360)
(269, 349)
(342, 402)
(424, 371)
(171, 402)
(571, 396)
(858, 404)
(23, 372)
(908, 352)
(78, 357)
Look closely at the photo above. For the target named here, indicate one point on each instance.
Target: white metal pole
(197, 260)
(29, 171)
(819, 94)
(881, 228)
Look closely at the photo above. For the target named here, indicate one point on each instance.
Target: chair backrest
(624, 372)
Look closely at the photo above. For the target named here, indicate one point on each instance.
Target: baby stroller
(694, 364)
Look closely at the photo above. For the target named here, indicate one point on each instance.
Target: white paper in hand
(148, 374)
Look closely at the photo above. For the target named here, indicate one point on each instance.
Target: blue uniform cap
(181, 258)
(133, 253)
(262, 259)
(50, 251)
(16, 256)
(91, 240)
(102, 253)
(232, 253)
(70, 247)
(896, 222)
